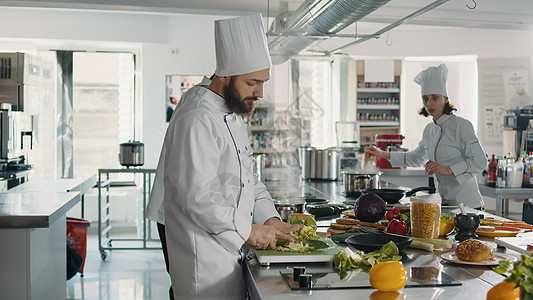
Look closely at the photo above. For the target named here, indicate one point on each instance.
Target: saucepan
(391, 196)
(289, 206)
(355, 182)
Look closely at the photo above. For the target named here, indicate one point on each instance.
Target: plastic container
(77, 233)
(425, 216)
(515, 174)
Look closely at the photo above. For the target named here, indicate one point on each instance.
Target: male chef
(213, 202)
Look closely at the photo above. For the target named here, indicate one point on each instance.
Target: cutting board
(266, 257)
(518, 244)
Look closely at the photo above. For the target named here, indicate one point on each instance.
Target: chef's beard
(235, 103)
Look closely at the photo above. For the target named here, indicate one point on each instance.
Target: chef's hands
(374, 151)
(433, 167)
(283, 229)
(262, 237)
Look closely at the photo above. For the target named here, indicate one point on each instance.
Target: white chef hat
(241, 46)
(433, 80)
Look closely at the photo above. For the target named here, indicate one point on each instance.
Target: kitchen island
(33, 250)
(265, 282)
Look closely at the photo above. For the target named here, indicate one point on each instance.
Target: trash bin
(77, 233)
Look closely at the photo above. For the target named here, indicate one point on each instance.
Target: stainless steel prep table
(267, 283)
(104, 227)
(33, 248)
(81, 184)
(503, 195)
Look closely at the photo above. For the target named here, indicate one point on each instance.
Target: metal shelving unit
(104, 204)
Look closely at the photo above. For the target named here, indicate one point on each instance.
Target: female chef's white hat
(433, 80)
(241, 46)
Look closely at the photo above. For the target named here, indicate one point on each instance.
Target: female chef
(449, 150)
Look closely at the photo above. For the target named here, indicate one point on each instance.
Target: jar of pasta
(425, 216)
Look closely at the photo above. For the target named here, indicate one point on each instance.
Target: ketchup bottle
(493, 165)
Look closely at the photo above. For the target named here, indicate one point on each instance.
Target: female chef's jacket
(451, 142)
(211, 198)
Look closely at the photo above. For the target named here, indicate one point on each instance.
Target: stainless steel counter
(82, 184)
(267, 283)
(33, 235)
(79, 184)
(503, 195)
(34, 209)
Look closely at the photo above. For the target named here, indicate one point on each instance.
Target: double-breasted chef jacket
(211, 198)
(155, 210)
(450, 141)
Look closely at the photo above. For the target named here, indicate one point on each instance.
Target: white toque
(241, 46)
(433, 80)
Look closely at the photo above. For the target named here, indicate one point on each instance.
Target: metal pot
(355, 182)
(286, 207)
(131, 154)
(319, 163)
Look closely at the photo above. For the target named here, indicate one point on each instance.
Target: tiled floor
(124, 275)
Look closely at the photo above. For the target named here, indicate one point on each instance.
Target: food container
(355, 182)
(425, 216)
(289, 206)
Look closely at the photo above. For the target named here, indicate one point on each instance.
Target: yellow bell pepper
(388, 276)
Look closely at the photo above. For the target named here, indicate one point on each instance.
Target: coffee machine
(516, 135)
(387, 142)
(15, 139)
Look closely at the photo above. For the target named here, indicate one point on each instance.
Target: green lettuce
(347, 261)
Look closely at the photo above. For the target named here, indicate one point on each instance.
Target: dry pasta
(425, 220)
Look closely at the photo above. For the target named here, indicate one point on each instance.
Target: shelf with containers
(274, 132)
(377, 104)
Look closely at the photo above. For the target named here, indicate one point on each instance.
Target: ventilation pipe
(330, 20)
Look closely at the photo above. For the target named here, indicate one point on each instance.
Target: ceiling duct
(302, 27)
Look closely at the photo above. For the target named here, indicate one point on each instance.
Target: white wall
(153, 36)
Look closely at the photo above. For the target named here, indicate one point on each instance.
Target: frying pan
(391, 196)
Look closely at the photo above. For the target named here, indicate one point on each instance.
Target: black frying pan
(391, 196)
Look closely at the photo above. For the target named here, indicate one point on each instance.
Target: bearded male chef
(213, 202)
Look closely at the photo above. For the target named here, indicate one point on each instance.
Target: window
(103, 105)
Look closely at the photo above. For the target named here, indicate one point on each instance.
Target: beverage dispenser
(388, 142)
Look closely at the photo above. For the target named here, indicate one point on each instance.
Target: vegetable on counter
(397, 227)
(388, 276)
(349, 261)
(304, 241)
(370, 208)
(437, 243)
(521, 274)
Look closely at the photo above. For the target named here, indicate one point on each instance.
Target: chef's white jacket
(211, 198)
(155, 210)
(451, 142)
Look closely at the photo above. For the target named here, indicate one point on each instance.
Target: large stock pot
(319, 163)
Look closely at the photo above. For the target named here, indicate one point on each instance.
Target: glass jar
(425, 216)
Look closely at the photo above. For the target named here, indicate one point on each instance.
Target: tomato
(504, 290)
(388, 276)
(395, 211)
(397, 227)
(390, 215)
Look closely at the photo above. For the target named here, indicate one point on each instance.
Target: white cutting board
(518, 243)
(266, 257)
